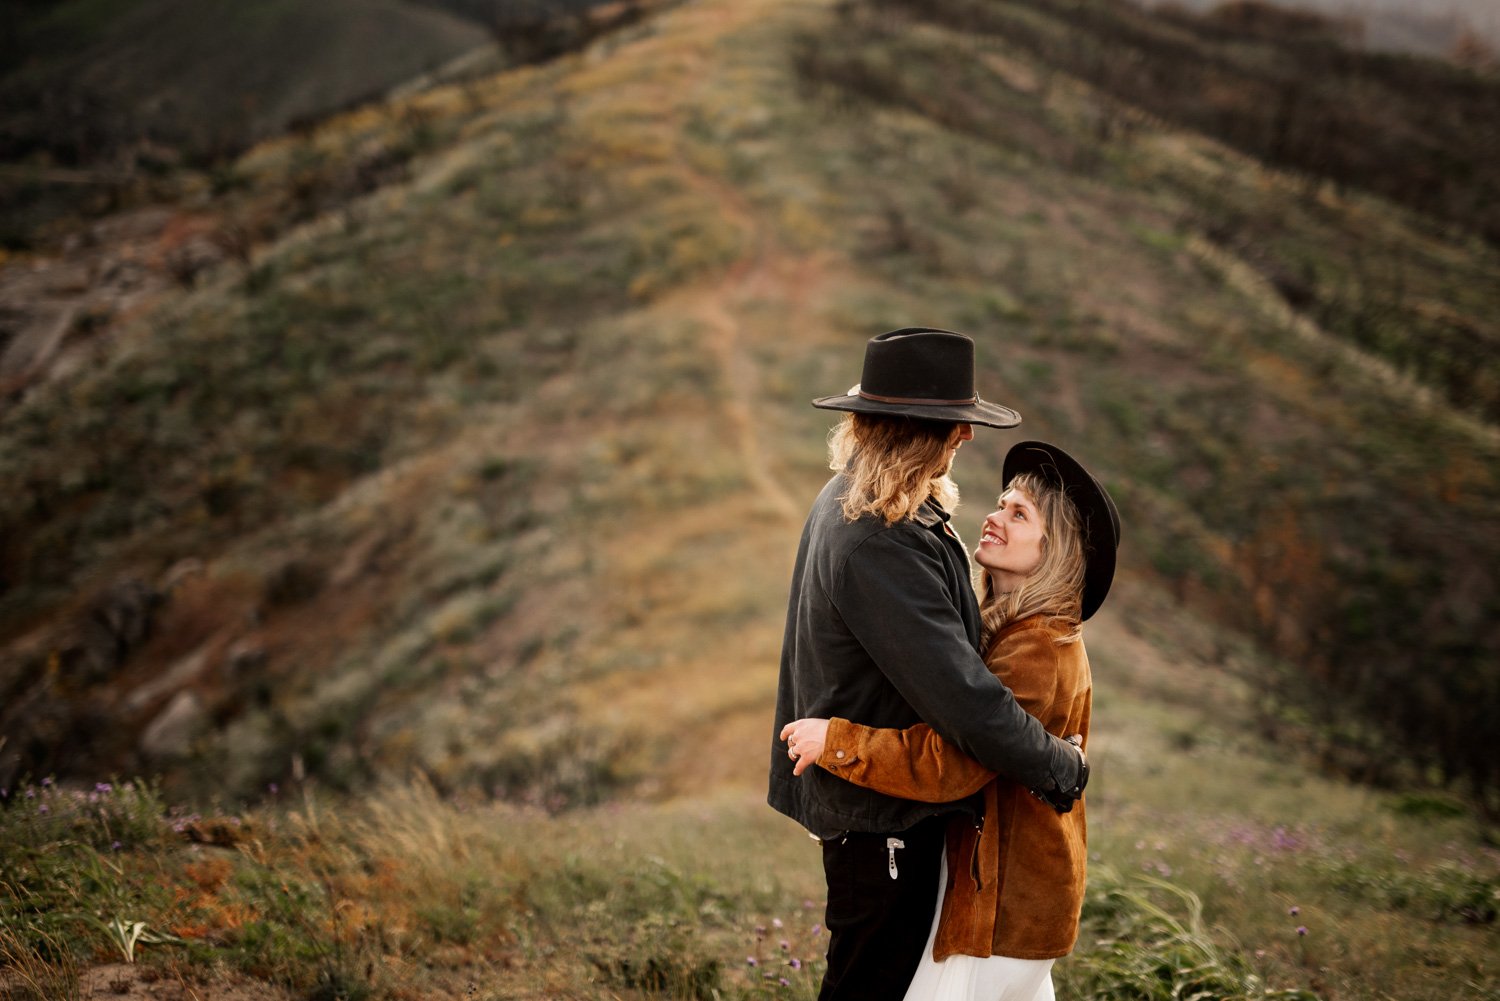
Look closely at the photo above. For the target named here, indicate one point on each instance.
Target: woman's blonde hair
(894, 464)
(1055, 587)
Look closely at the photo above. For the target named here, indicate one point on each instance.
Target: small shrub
(108, 818)
(1431, 807)
(1450, 892)
(1149, 944)
(786, 958)
(573, 771)
(69, 891)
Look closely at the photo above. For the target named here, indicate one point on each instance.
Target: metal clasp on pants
(891, 844)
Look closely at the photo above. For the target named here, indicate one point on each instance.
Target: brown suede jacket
(1015, 885)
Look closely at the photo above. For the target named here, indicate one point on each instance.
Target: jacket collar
(930, 514)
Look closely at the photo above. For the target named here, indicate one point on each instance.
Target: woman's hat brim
(1101, 520)
(990, 415)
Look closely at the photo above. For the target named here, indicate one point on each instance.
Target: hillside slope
(494, 471)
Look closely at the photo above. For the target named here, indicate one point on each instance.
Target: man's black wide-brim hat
(1100, 522)
(921, 372)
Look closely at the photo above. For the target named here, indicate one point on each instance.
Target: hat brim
(1101, 520)
(991, 415)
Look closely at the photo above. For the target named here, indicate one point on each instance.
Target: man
(883, 629)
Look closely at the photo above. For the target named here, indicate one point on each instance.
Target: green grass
(1220, 867)
(1195, 891)
(1148, 941)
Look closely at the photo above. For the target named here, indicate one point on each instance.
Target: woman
(1013, 883)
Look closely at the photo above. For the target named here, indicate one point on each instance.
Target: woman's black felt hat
(1100, 522)
(921, 372)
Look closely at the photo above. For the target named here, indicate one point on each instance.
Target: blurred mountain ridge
(96, 96)
(1432, 28)
(467, 433)
(205, 77)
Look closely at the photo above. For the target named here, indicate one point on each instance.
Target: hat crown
(919, 364)
(1100, 519)
(922, 372)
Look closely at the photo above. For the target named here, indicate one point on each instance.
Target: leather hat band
(919, 402)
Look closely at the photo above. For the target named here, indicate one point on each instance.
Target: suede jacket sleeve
(925, 654)
(915, 762)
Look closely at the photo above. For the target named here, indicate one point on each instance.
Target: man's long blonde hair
(894, 464)
(1055, 587)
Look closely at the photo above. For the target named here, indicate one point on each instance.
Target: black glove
(1062, 800)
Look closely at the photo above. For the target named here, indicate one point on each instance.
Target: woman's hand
(804, 740)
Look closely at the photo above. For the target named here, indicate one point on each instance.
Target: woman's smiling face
(1010, 541)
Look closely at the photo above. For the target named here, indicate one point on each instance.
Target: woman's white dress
(970, 978)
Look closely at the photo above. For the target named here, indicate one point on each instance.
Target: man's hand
(804, 740)
(1062, 800)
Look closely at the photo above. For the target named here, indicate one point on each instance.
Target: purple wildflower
(817, 930)
(795, 964)
(751, 961)
(1285, 840)
(785, 945)
(783, 981)
(104, 788)
(1302, 929)
(1294, 911)
(775, 922)
(43, 809)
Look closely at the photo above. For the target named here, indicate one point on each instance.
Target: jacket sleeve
(914, 763)
(894, 597)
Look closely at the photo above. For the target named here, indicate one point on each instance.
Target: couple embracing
(932, 738)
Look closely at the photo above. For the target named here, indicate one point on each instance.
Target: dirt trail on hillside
(719, 306)
(764, 272)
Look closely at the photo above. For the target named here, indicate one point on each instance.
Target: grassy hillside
(100, 100)
(1266, 449)
(471, 482)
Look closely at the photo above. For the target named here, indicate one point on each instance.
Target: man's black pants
(877, 924)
